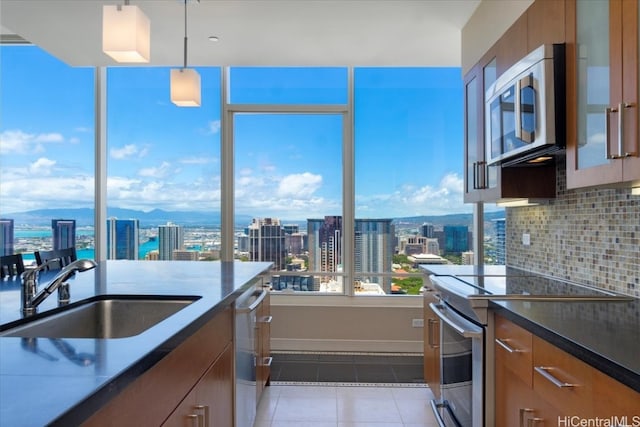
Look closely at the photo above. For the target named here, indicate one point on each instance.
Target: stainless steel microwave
(525, 109)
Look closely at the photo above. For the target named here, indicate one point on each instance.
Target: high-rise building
(325, 245)
(123, 238)
(427, 230)
(501, 241)
(266, 242)
(64, 233)
(467, 257)
(294, 243)
(374, 245)
(456, 238)
(6, 237)
(170, 238)
(291, 228)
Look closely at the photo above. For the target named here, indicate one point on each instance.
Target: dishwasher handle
(252, 307)
(461, 325)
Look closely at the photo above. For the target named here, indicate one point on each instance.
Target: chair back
(11, 266)
(66, 256)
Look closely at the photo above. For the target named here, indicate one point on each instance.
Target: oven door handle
(461, 325)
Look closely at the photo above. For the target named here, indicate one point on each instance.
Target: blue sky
(408, 140)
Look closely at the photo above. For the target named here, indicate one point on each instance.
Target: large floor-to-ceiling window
(46, 151)
(345, 178)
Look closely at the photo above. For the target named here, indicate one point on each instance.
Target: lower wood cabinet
(538, 384)
(195, 378)
(210, 402)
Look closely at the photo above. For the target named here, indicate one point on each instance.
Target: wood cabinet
(484, 183)
(431, 345)
(603, 145)
(263, 338)
(537, 383)
(210, 402)
(202, 362)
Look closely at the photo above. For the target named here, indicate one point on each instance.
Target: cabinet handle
(522, 412)
(195, 419)
(502, 343)
(203, 419)
(483, 175)
(475, 176)
(531, 422)
(430, 333)
(266, 319)
(621, 144)
(544, 371)
(607, 127)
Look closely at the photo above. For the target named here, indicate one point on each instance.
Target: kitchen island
(65, 381)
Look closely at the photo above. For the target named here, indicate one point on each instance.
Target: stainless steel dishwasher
(246, 355)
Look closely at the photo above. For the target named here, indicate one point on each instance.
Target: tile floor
(345, 405)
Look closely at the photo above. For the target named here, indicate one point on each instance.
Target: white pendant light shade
(126, 33)
(185, 87)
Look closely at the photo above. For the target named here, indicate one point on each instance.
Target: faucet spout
(31, 299)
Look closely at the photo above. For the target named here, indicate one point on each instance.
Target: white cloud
(197, 160)
(41, 167)
(161, 171)
(213, 127)
(128, 151)
(299, 185)
(19, 142)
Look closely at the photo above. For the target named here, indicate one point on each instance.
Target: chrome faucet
(31, 298)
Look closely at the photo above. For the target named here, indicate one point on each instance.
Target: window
(46, 151)
(163, 183)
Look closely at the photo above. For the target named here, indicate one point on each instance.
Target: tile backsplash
(589, 236)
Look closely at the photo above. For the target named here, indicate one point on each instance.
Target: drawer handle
(195, 419)
(502, 343)
(544, 371)
(204, 408)
(431, 338)
(531, 422)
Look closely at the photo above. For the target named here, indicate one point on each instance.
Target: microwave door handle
(517, 110)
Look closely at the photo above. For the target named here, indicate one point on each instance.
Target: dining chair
(11, 265)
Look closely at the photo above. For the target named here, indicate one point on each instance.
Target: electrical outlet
(526, 239)
(417, 323)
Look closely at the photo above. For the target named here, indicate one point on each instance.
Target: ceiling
(255, 32)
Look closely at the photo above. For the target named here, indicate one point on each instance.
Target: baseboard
(364, 346)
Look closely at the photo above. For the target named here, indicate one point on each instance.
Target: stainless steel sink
(101, 317)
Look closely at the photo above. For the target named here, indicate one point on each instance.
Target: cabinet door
(431, 345)
(602, 92)
(210, 402)
(473, 148)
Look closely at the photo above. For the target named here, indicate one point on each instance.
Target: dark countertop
(39, 385)
(603, 334)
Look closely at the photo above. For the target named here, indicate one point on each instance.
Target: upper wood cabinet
(602, 92)
(484, 183)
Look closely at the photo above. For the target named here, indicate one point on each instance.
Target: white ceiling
(256, 32)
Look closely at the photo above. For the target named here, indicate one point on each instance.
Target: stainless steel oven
(462, 363)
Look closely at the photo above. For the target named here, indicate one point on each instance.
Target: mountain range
(153, 218)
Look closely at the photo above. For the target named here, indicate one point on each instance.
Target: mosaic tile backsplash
(589, 236)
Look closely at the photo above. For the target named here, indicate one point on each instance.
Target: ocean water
(144, 248)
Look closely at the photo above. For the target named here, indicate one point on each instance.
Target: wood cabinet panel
(513, 349)
(614, 399)
(545, 23)
(514, 398)
(560, 377)
(151, 398)
(512, 46)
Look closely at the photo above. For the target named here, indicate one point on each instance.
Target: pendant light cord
(185, 34)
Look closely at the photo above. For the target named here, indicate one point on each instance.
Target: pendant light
(185, 83)
(126, 33)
